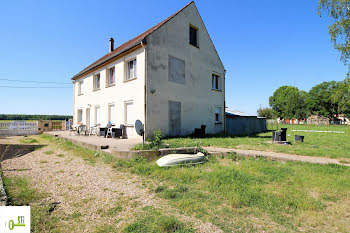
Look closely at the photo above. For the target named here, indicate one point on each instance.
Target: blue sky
(263, 45)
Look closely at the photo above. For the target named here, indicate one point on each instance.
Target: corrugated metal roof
(237, 113)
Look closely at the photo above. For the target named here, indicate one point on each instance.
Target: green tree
(267, 112)
(321, 101)
(341, 97)
(289, 102)
(339, 31)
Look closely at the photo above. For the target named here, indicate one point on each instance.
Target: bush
(157, 141)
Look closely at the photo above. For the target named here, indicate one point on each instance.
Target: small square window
(194, 36)
(215, 82)
(131, 69)
(111, 76)
(97, 79)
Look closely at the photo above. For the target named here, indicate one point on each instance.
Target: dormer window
(194, 36)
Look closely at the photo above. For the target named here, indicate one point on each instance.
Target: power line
(29, 81)
(32, 87)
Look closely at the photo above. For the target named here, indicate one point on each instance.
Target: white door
(129, 118)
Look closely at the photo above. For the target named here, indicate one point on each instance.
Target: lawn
(245, 195)
(332, 145)
(236, 194)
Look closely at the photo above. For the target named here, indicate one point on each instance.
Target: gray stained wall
(179, 78)
(240, 125)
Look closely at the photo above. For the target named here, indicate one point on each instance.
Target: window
(131, 69)
(129, 113)
(97, 115)
(111, 76)
(218, 115)
(80, 116)
(215, 82)
(111, 113)
(194, 36)
(97, 79)
(80, 87)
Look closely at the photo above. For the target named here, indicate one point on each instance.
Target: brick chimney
(111, 45)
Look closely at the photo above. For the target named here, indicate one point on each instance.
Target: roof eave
(75, 77)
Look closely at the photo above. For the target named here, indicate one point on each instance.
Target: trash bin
(276, 136)
(284, 134)
(299, 138)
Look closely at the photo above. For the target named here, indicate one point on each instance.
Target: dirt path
(275, 156)
(90, 190)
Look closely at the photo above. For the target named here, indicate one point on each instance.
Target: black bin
(284, 134)
(117, 132)
(299, 138)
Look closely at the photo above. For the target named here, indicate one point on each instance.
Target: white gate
(16, 128)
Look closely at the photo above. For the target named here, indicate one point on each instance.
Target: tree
(321, 101)
(289, 102)
(267, 112)
(339, 31)
(341, 97)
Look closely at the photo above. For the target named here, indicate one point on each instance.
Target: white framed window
(218, 115)
(80, 115)
(80, 87)
(194, 36)
(97, 81)
(111, 113)
(110, 76)
(97, 115)
(215, 82)
(129, 113)
(131, 70)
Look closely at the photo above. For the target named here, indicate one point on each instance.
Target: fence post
(348, 128)
(327, 126)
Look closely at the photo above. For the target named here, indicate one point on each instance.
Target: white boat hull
(178, 159)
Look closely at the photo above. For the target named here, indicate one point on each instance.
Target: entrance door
(88, 118)
(174, 110)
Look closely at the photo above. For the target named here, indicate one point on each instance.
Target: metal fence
(18, 128)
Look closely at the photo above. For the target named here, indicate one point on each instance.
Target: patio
(95, 142)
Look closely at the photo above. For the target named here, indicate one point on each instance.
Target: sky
(263, 45)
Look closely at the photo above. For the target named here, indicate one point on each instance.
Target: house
(170, 77)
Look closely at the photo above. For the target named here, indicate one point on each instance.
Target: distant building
(170, 77)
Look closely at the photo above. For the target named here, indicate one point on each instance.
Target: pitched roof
(127, 45)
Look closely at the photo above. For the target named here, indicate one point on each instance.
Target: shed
(240, 123)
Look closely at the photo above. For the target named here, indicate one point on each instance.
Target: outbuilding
(240, 123)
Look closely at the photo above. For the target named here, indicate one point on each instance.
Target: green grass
(90, 156)
(230, 192)
(28, 140)
(240, 194)
(49, 152)
(331, 145)
(154, 221)
(20, 192)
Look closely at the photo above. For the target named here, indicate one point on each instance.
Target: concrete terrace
(96, 142)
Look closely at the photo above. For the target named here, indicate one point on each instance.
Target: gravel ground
(89, 190)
